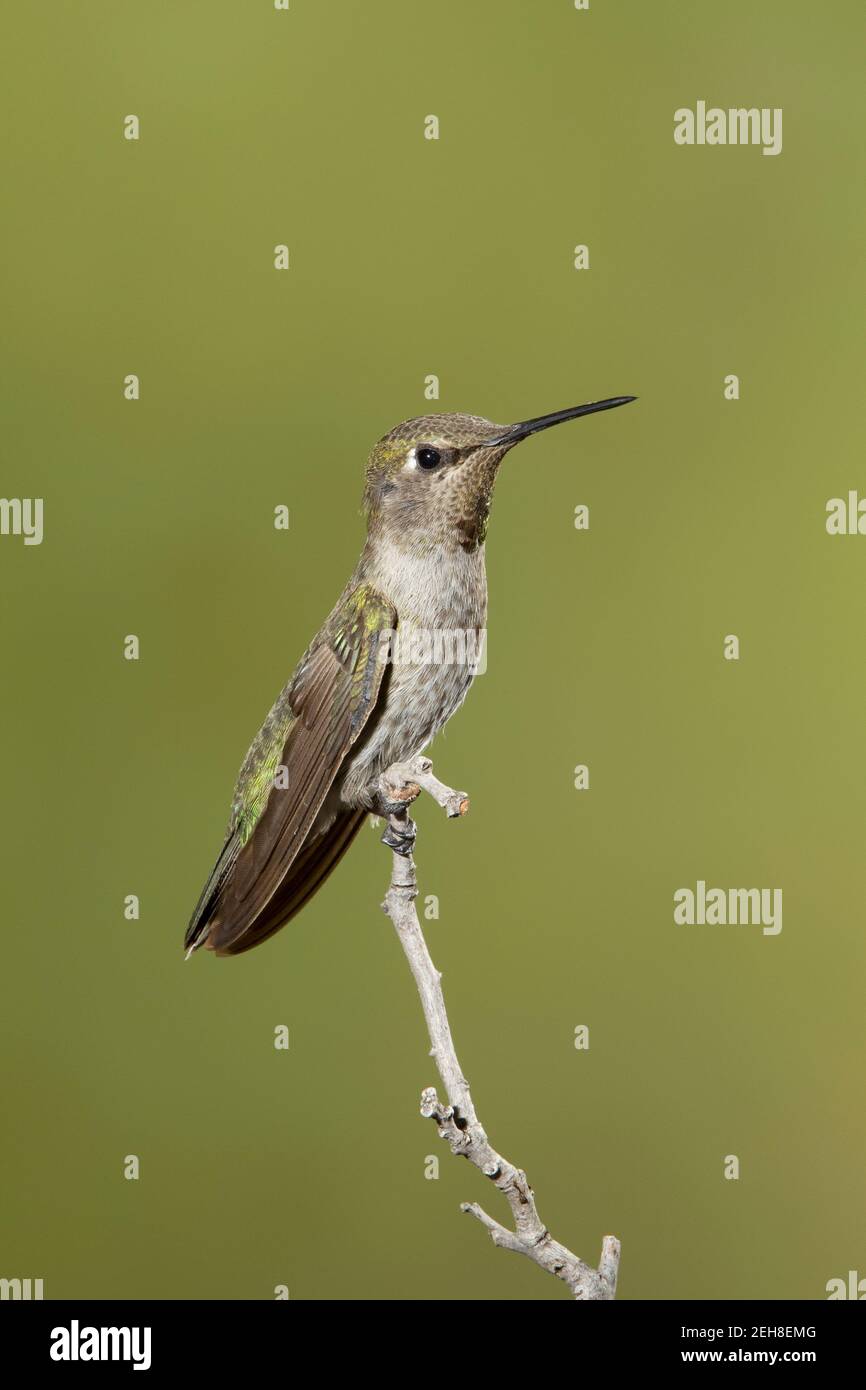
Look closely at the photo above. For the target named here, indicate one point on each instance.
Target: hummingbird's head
(430, 480)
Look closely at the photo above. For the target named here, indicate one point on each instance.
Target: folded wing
(287, 775)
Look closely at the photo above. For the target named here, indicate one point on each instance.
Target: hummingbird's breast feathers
(439, 597)
(435, 586)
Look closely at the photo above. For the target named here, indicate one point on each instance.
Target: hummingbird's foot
(394, 793)
(401, 839)
(402, 783)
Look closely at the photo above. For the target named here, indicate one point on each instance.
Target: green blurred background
(411, 257)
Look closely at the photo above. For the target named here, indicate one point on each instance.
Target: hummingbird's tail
(319, 855)
(205, 908)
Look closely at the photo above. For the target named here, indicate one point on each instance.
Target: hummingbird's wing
(286, 777)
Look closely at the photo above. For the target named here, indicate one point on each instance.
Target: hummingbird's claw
(401, 841)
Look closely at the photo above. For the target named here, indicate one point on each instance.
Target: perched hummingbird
(346, 715)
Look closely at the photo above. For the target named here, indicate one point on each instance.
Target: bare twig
(457, 1121)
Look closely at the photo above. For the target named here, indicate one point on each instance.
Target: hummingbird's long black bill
(544, 422)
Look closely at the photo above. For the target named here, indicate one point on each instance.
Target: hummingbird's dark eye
(427, 457)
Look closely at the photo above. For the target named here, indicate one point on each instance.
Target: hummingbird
(348, 713)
